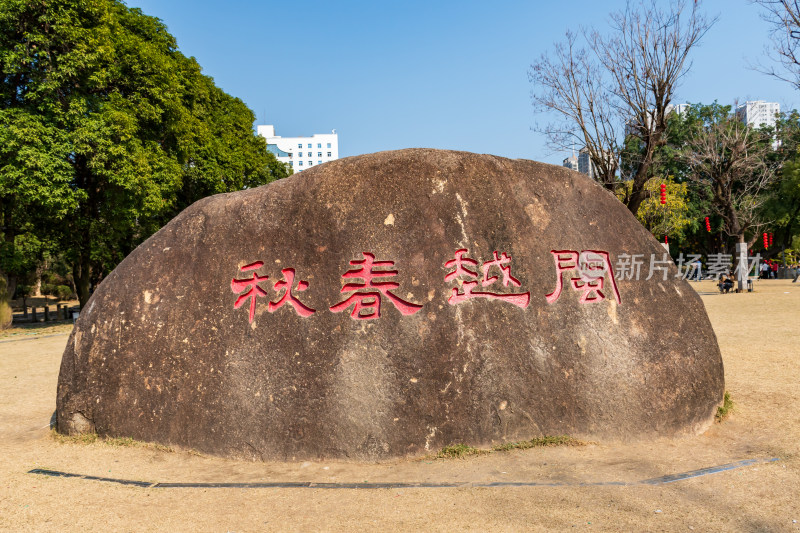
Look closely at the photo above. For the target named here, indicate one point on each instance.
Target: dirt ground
(759, 334)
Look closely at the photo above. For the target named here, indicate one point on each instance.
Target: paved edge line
(662, 480)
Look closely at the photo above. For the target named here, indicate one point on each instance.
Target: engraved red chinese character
(594, 269)
(286, 284)
(460, 264)
(250, 286)
(370, 300)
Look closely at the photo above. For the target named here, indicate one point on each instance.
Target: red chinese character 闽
(286, 284)
(371, 299)
(239, 285)
(593, 267)
(467, 286)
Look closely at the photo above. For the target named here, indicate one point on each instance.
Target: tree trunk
(636, 198)
(81, 272)
(638, 191)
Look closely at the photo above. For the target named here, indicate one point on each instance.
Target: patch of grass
(85, 438)
(91, 438)
(724, 410)
(539, 442)
(457, 451)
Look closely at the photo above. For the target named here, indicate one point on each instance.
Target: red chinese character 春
(593, 267)
(254, 291)
(371, 299)
(467, 286)
(286, 284)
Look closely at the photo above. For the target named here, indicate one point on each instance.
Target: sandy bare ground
(759, 334)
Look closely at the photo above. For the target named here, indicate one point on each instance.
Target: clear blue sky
(439, 74)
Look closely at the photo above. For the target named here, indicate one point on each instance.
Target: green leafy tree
(108, 131)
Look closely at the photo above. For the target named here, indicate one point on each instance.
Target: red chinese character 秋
(371, 300)
(249, 289)
(239, 285)
(593, 267)
(458, 263)
(286, 284)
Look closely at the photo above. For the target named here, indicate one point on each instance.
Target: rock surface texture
(388, 305)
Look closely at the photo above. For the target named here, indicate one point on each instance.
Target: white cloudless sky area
(437, 74)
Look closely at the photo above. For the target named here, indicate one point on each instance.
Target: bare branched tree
(784, 19)
(569, 84)
(621, 87)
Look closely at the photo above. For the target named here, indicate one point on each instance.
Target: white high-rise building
(301, 152)
(758, 113)
(678, 108)
(585, 165)
(571, 162)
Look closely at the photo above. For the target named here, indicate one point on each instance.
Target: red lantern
(766, 241)
(708, 225)
(770, 240)
(663, 193)
(665, 240)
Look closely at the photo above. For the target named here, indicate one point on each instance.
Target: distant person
(725, 283)
(764, 274)
(773, 273)
(698, 270)
(796, 272)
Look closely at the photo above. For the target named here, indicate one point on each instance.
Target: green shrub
(724, 410)
(5, 315)
(63, 292)
(23, 291)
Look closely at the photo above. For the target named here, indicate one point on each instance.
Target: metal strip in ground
(663, 480)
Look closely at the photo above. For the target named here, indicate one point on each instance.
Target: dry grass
(22, 331)
(540, 442)
(118, 442)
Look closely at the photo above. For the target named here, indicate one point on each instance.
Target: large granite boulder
(389, 304)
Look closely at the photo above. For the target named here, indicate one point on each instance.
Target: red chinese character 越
(288, 297)
(593, 267)
(468, 286)
(367, 300)
(239, 285)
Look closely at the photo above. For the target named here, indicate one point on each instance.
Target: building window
(291, 163)
(319, 162)
(299, 145)
(319, 154)
(309, 154)
(329, 145)
(309, 145)
(310, 163)
(319, 145)
(329, 154)
(300, 163)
